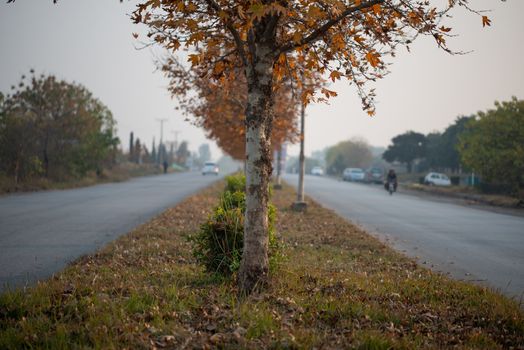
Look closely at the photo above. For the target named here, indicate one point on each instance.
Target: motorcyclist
(391, 178)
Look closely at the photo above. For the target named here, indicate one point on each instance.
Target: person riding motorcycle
(391, 178)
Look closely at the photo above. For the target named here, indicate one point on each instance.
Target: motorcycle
(390, 187)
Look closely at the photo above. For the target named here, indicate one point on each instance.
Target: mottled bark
(254, 268)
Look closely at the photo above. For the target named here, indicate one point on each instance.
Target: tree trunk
(254, 267)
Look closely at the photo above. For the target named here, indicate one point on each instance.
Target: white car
(210, 168)
(318, 171)
(353, 174)
(437, 179)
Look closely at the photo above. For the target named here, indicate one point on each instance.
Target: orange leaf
(194, 59)
(486, 21)
(335, 75)
(377, 9)
(373, 58)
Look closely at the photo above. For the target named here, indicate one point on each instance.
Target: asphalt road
(468, 243)
(40, 233)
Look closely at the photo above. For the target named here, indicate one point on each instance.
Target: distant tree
(204, 153)
(146, 155)
(131, 147)
(448, 150)
(182, 153)
(162, 154)
(153, 152)
(70, 131)
(493, 144)
(352, 153)
(434, 156)
(220, 110)
(320, 155)
(137, 152)
(406, 148)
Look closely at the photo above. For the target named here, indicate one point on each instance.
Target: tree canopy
(52, 128)
(405, 148)
(493, 144)
(220, 109)
(441, 149)
(341, 39)
(351, 153)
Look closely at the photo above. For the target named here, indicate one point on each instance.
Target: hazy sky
(90, 42)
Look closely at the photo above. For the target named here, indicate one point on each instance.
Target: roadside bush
(218, 245)
(235, 183)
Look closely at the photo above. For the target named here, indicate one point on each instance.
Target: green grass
(337, 287)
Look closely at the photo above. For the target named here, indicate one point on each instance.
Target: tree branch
(232, 30)
(317, 33)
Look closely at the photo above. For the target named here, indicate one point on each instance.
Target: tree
(182, 153)
(153, 152)
(137, 152)
(267, 41)
(220, 110)
(131, 147)
(449, 155)
(352, 153)
(406, 148)
(70, 131)
(493, 144)
(204, 153)
(434, 147)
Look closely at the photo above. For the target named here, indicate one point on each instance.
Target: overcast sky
(91, 42)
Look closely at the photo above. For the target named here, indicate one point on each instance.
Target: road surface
(469, 243)
(40, 233)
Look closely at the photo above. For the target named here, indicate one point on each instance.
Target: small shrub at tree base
(235, 183)
(218, 245)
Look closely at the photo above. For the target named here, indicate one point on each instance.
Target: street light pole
(161, 145)
(300, 204)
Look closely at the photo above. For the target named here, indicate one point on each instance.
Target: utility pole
(161, 149)
(300, 204)
(175, 133)
(278, 184)
(162, 120)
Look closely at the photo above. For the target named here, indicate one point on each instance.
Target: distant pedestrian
(165, 166)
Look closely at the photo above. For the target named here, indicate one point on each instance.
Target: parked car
(318, 171)
(210, 168)
(437, 179)
(374, 175)
(353, 174)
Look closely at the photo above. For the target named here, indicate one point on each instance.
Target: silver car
(353, 174)
(210, 168)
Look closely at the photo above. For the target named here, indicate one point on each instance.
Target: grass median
(337, 287)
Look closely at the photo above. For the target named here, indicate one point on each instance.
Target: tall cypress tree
(131, 146)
